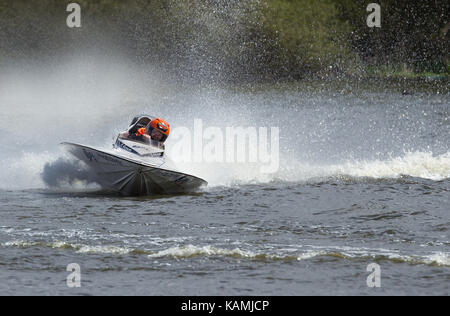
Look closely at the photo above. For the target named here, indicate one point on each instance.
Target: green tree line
(237, 40)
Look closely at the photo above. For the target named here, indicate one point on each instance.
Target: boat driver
(156, 131)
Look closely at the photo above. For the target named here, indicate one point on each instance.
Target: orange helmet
(160, 125)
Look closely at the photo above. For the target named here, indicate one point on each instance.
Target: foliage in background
(413, 36)
(236, 40)
(311, 37)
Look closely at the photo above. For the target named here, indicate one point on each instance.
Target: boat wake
(210, 252)
(44, 170)
(414, 164)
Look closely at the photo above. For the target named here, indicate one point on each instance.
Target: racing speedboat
(133, 167)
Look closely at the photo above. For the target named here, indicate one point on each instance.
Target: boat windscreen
(139, 122)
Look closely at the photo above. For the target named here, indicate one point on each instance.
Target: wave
(413, 164)
(46, 170)
(66, 172)
(190, 251)
(23, 172)
(418, 164)
(79, 248)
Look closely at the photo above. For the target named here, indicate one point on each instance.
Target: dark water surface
(271, 239)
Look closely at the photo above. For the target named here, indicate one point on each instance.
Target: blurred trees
(310, 36)
(236, 39)
(412, 34)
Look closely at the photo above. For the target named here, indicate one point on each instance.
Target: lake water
(363, 178)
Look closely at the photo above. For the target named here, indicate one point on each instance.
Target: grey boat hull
(131, 177)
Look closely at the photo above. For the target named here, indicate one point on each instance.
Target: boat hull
(130, 177)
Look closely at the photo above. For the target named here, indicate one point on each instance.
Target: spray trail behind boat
(317, 134)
